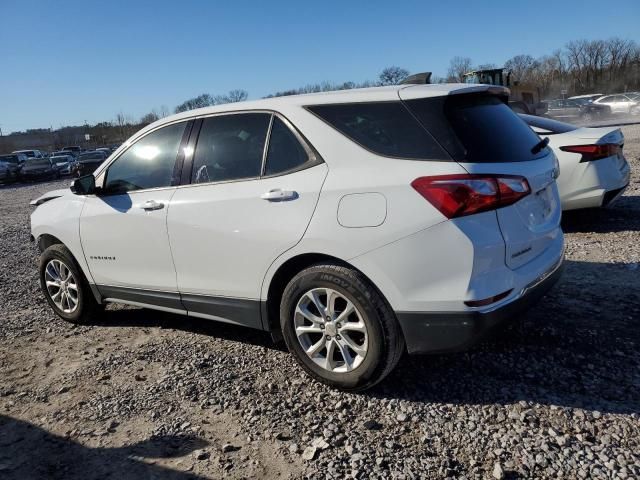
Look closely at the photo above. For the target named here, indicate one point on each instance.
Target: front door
(123, 228)
(240, 212)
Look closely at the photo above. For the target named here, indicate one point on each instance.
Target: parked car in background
(87, 162)
(351, 223)
(64, 163)
(6, 173)
(619, 103)
(31, 153)
(589, 97)
(65, 152)
(576, 109)
(75, 149)
(593, 169)
(13, 163)
(39, 169)
(107, 150)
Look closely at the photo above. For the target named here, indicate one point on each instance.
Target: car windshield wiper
(540, 145)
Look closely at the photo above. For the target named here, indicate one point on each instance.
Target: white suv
(357, 225)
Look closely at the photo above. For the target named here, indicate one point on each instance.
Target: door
(246, 205)
(123, 229)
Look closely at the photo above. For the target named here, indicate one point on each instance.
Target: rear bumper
(435, 332)
(597, 184)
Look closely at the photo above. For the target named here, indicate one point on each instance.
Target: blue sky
(66, 62)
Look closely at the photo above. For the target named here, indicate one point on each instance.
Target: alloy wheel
(331, 330)
(62, 286)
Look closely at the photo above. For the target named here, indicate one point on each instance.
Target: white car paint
(619, 102)
(225, 240)
(585, 184)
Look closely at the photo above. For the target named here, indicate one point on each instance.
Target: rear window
(385, 128)
(549, 126)
(477, 128)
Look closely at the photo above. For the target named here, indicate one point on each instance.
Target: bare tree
(237, 96)
(392, 75)
(150, 117)
(203, 100)
(458, 67)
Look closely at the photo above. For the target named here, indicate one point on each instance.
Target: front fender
(60, 217)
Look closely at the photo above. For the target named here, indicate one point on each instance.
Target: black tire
(385, 345)
(88, 310)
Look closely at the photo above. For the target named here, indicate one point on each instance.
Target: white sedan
(593, 170)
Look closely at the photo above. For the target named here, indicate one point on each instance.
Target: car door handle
(152, 205)
(279, 195)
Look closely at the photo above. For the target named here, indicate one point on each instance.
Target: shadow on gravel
(27, 451)
(622, 216)
(142, 317)
(579, 347)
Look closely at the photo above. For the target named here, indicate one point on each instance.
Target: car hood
(50, 196)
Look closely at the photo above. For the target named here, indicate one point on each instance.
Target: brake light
(593, 152)
(466, 194)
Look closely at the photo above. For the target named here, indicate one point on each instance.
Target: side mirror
(85, 185)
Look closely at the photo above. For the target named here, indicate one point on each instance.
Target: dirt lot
(153, 395)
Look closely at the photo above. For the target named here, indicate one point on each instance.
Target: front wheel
(65, 287)
(339, 327)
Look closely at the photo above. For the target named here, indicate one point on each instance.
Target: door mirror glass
(85, 185)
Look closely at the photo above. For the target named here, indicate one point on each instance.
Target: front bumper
(436, 332)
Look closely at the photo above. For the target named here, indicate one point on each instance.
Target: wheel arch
(46, 240)
(270, 307)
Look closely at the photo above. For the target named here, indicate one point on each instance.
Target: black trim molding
(240, 311)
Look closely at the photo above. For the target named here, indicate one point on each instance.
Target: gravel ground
(153, 395)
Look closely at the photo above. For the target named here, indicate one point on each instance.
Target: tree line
(582, 66)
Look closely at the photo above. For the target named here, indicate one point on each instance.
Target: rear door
(253, 187)
(482, 133)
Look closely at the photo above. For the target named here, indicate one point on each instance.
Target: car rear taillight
(593, 152)
(466, 194)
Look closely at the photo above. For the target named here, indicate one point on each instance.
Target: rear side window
(230, 147)
(385, 128)
(285, 152)
(477, 128)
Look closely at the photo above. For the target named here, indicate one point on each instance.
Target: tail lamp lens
(593, 152)
(466, 194)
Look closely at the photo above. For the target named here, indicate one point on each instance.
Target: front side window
(149, 163)
(285, 152)
(385, 128)
(230, 147)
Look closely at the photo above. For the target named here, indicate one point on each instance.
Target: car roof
(355, 95)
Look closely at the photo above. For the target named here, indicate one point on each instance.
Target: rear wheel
(65, 287)
(339, 328)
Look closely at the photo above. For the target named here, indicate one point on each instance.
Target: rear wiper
(540, 145)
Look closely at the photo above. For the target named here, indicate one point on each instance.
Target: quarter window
(386, 128)
(149, 163)
(230, 147)
(285, 151)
